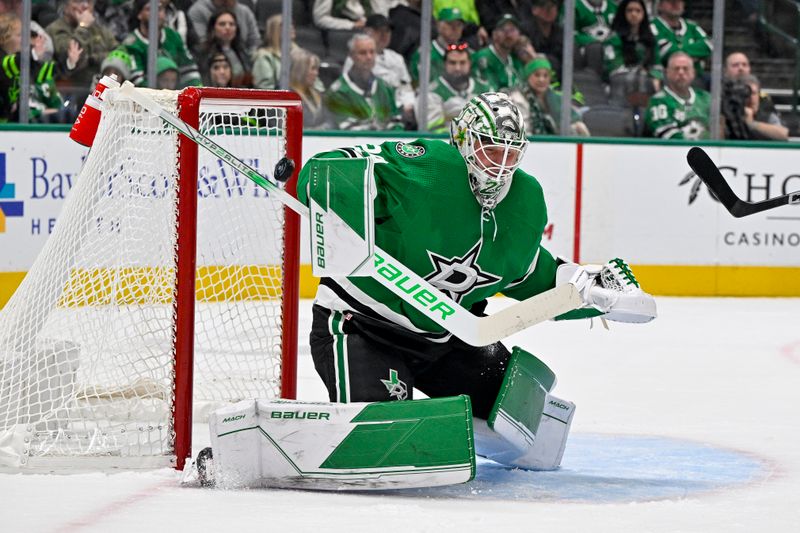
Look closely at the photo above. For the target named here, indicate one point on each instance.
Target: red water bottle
(85, 127)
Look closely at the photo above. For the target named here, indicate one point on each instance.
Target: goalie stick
(477, 331)
(705, 168)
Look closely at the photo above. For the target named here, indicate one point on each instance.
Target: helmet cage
(490, 134)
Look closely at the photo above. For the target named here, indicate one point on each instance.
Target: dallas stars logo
(409, 150)
(395, 387)
(457, 276)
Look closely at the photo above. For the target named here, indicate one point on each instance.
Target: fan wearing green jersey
(468, 219)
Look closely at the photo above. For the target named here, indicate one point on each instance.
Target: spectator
(674, 33)
(679, 111)
(341, 14)
(406, 21)
(632, 65)
(80, 42)
(499, 65)
(740, 110)
(218, 71)
(44, 101)
(267, 59)
(737, 65)
(540, 104)
(170, 46)
(450, 28)
(390, 66)
(304, 80)
(546, 33)
(118, 63)
(359, 100)
(248, 32)
(475, 33)
(167, 74)
(11, 7)
(592, 28)
(452, 89)
(222, 36)
(593, 20)
(490, 11)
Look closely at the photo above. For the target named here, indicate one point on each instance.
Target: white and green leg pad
(356, 446)
(527, 426)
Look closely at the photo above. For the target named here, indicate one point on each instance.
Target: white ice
(690, 423)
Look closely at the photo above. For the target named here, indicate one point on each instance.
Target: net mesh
(86, 342)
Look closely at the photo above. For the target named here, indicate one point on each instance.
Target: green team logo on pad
(409, 150)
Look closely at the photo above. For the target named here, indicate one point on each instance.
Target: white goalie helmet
(490, 134)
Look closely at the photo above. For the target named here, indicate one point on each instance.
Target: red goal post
(189, 103)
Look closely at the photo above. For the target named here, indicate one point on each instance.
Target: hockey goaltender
(465, 217)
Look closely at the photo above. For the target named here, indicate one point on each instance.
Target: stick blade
(707, 171)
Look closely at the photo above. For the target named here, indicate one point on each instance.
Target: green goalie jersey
(427, 217)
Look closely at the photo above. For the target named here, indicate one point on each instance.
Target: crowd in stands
(640, 66)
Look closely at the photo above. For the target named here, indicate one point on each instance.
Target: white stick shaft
(427, 299)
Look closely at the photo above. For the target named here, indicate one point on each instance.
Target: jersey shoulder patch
(409, 151)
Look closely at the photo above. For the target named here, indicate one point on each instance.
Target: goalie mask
(490, 134)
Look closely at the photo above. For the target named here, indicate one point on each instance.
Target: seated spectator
(679, 111)
(406, 20)
(632, 64)
(80, 41)
(450, 26)
(674, 33)
(267, 59)
(499, 65)
(490, 11)
(118, 63)
(593, 21)
(170, 46)
(546, 32)
(737, 65)
(44, 102)
(218, 71)
(303, 79)
(341, 15)
(390, 67)
(592, 28)
(222, 36)
(452, 89)
(167, 74)
(202, 10)
(740, 107)
(359, 100)
(540, 104)
(475, 33)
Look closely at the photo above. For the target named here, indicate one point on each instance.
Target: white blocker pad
(341, 192)
(530, 426)
(356, 446)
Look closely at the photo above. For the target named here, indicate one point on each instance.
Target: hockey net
(169, 285)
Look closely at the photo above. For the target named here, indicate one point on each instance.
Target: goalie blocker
(384, 445)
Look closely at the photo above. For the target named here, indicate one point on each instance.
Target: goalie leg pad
(358, 446)
(530, 425)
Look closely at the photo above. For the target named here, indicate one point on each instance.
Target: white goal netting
(87, 353)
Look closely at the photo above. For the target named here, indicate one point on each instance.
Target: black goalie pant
(362, 359)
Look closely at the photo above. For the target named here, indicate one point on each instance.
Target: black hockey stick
(707, 171)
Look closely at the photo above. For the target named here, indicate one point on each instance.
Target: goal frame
(189, 102)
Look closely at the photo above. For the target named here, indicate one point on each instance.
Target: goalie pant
(363, 358)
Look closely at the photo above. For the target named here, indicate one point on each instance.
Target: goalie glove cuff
(610, 290)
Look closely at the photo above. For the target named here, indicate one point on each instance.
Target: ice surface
(690, 423)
